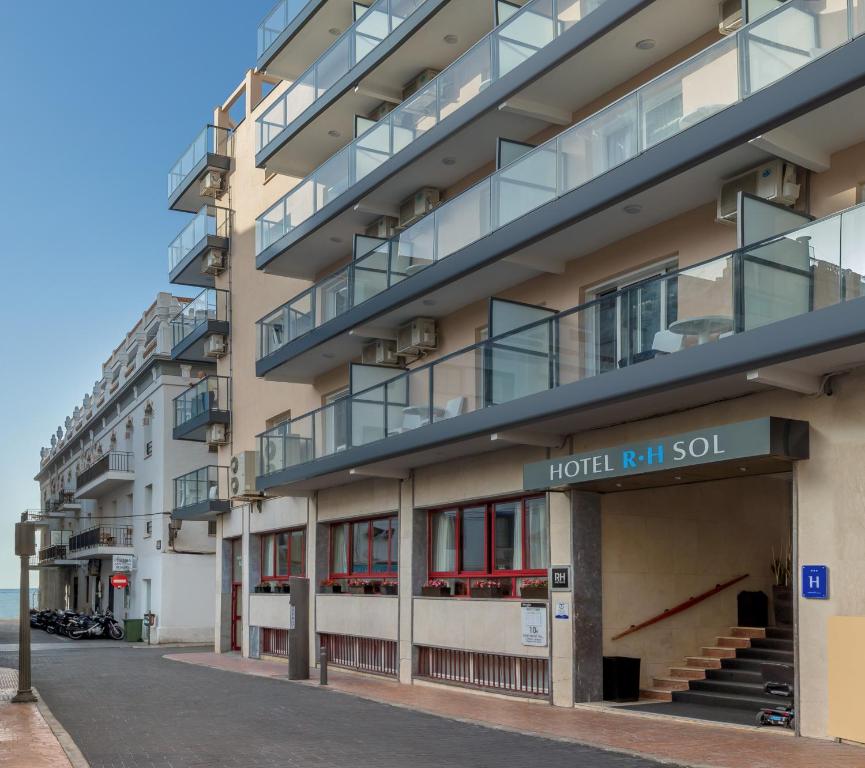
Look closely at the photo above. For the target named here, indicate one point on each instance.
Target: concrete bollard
(322, 665)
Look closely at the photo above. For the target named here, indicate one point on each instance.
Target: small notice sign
(562, 611)
(292, 617)
(534, 624)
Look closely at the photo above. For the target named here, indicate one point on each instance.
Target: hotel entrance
(694, 536)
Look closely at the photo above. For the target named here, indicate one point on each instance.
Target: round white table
(702, 327)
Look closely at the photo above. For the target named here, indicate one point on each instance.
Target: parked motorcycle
(98, 625)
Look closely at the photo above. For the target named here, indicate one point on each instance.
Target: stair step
(752, 689)
(688, 673)
(754, 632)
(734, 642)
(670, 684)
(735, 675)
(657, 694)
(706, 662)
(720, 653)
(744, 665)
(766, 654)
(781, 632)
(775, 643)
(716, 699)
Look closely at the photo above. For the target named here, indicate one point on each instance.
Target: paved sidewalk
(677, 741)
(26, 741)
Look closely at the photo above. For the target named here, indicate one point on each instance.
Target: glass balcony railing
(726, 72)
(212, 140)
(210, 304)
(282, 14)
(360, 39)
(210, 394)
(210, 220)
(528, 31)
(810, 268)
(206, 484)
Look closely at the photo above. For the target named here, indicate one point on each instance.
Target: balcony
(63, 505)
(369, 65)
(203, 318)
(54, 555)
(724, 95)
(101, 541)
(107, 473)
(295, 32)
(198, 253)
(202, 494)
(205, 404)
(211, 151)
(663, 344)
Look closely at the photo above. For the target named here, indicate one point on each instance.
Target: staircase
(729, 673)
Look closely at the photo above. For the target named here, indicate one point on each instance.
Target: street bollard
(322, 666)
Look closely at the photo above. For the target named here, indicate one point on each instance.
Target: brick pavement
(692, 743)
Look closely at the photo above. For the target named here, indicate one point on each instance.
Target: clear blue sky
(99, 98)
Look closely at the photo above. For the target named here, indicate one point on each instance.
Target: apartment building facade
(106, 490)
(542, 319)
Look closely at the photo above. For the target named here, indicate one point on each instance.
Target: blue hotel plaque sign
(770, 438)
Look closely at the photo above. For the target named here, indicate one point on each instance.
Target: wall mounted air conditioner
(213, 262)
(380, 111)
(775, 181)
(384, 228)
(417, 336)
(216, 435)
(419, 204)
(212, 184)
(241, 474)
(418, 82)
(732, 15)
(214, 346)
(379, 352)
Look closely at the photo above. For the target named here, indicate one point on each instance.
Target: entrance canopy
(759, 446)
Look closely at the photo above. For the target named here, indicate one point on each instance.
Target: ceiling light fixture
(429, 302)
(449, 161)
(334, 31)
(336, 239)
(645, 45)
(632, 208)
(451, 39)
(333, 132)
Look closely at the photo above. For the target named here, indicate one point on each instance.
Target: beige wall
(361, 615)
(664, 545)
(846, 677)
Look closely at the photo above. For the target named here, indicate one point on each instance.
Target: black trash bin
(621, 678)
(752, 609)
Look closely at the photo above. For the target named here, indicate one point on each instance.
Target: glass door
(236, 594)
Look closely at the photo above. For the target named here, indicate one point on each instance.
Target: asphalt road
(127, 707)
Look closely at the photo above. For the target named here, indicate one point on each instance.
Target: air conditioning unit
(384, 228)
(379, 352)
(775, 181)
(419, 204)
(213, 262)
(241, 474)
(418, 82)
(214, 346)
(212, 184)
(216, 435)
(732, 14)
(380, 111)
(417, 336)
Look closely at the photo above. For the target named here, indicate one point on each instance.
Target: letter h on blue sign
(815, 582)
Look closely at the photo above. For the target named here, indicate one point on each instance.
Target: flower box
(334, 589)
(534, 593)
(435, 591)
(487, 591)
(365, 589)
(262, 588)
(389, 589)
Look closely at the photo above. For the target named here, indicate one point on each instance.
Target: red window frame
(290, 532)
(490, 570)
(393, 541)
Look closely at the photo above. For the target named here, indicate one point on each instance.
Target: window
(365, 548)
(507, 539)
(283, 554)
(211, 527)
(148, 529)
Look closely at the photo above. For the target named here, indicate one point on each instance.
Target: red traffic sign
(119, 580)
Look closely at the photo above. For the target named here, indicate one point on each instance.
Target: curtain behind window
(537, 531)
(444, 534)
(267, 556)
(339, 548)
(509, 536)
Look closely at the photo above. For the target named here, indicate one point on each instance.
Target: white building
(107, 489)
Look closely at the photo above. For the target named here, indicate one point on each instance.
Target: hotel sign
(769, 437)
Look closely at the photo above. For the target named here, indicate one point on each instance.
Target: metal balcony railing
(101, 536)
(804, 270)
(210, 304)
(212, 140)
(731, 70)
(113, 461)
(280, 16)
(54, 552)
(210, 220)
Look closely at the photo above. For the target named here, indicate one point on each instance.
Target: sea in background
(9, 602)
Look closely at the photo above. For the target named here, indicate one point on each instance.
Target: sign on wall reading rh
(534, 623)
(767, 437)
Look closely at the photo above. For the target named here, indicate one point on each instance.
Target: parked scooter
(778, 681)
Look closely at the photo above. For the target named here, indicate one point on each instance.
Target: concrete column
(315, 572)
(224, 568)
(410, 560)
(561, 631)
(587, 610)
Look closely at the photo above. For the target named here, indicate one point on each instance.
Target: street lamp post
(25, 547)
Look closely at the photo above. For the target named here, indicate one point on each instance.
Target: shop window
(503, 540)
(365, 548)
(282, 555)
